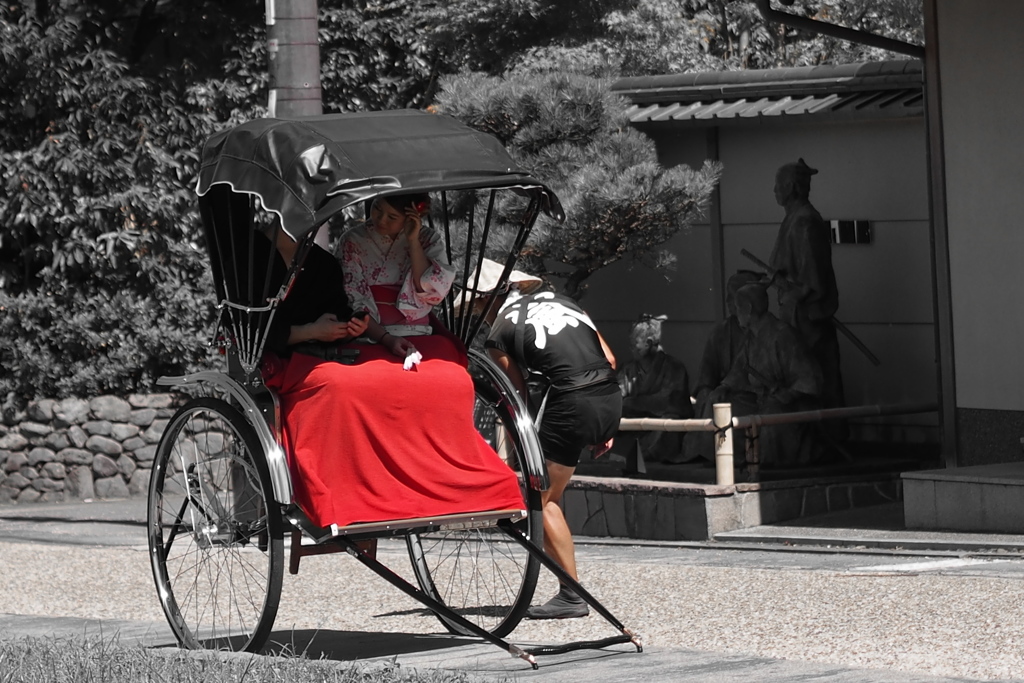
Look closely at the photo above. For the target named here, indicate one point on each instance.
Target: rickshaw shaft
(434, 605)
(562, 575)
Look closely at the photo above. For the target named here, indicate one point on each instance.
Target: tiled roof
(849, 91)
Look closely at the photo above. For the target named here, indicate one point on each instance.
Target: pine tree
(572, 133)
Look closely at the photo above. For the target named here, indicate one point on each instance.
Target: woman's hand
(399, 346)
(413, 224)
(417, 258)
(326, 328)
(355, 327)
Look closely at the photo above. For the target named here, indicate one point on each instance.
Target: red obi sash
(386, 296)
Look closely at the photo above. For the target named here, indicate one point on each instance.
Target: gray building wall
(982, 94)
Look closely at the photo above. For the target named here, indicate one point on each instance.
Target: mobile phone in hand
(360, 315)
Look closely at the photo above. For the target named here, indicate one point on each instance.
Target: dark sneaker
(565, 605)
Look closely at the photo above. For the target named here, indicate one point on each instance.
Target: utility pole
(293, 50)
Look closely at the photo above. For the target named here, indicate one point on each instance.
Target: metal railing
(722, 423)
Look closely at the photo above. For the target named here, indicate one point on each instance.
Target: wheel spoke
(482, 574)
(215, 580)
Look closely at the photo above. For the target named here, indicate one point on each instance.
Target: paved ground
(770, 604)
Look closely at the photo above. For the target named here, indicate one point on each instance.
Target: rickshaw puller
(549, 335)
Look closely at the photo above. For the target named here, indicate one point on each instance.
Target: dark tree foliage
(375, 55)
(489, 35)
(646, 37)
(103, 285)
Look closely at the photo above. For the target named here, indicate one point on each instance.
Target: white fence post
(722, 414)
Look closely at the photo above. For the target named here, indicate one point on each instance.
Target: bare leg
(557, 537)
(558, 544)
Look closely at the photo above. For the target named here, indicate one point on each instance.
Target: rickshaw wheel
(483, 574)
(216, 539)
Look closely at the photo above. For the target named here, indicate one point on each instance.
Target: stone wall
(81, 448)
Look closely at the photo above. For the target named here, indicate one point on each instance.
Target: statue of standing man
(802, 263)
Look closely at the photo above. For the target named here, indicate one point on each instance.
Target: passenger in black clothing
(316, 308)
(547, 334)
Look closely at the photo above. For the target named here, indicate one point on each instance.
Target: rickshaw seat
(369, 532)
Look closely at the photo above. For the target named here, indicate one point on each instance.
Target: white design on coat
(548, 317)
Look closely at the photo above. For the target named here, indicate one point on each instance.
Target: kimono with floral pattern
(378, 278)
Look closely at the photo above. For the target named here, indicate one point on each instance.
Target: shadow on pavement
(429, 651)
(356, 645)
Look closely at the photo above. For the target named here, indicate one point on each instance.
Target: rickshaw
(221, 500)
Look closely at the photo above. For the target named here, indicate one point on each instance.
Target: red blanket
(372, 442)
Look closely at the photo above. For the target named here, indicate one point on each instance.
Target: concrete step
(676, 511)
(878, 527)
(981, 499)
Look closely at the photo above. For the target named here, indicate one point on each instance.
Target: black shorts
(576, 419)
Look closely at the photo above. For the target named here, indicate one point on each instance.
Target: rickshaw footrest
(299, 550)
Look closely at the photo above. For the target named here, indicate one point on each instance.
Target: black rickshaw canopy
(306, 170)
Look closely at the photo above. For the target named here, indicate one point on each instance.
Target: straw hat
(490, 277)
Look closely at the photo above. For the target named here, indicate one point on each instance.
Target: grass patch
(97, 660)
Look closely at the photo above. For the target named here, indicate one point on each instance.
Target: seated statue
(772, 373)
(720, 350)
(654, 384)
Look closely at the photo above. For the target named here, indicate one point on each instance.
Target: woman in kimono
(394, 268)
